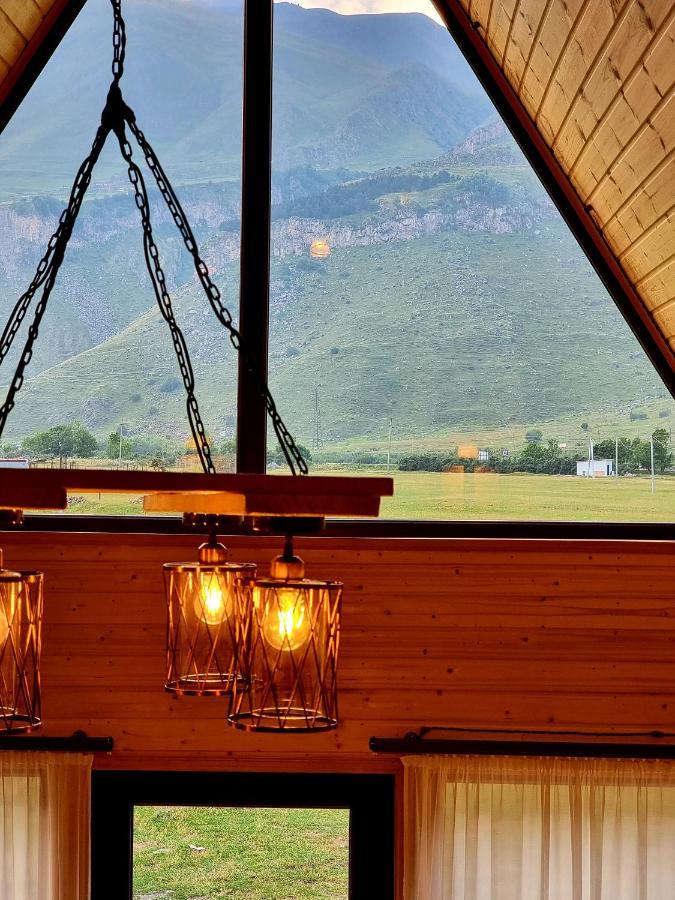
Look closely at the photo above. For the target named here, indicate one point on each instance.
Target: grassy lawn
(437, 495)
(249, 854)
(433, 495)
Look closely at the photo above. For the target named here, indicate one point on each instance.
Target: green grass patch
(195, 853)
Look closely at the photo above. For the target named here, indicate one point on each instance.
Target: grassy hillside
(404, 330)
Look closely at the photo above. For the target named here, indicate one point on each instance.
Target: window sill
(377, 528)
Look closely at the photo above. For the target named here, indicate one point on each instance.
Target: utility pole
(391, 422)
(317, 424)
(119, 458)
(591, 461)
(651, 453)
(616, 457)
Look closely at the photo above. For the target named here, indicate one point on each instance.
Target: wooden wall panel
(477, 634)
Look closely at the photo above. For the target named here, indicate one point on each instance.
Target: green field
(244, 854)
(440, 495)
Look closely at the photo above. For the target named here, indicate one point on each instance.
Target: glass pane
(104, 365)
(431, 314)
(253, 854)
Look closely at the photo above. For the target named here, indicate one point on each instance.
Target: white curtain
(44, 825)
(508, 828)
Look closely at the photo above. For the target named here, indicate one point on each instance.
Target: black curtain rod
(79, 742)
(473, 747)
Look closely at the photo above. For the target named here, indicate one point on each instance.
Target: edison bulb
(212, 603)
(8, 602)
(287, 625)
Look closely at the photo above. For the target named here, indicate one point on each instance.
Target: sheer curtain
(507, 828)
(44, 825)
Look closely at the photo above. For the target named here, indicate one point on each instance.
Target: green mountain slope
(183, 78)
(405, 329)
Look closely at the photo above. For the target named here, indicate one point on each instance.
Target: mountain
(448, 292)
(449, 298)
(183, 78)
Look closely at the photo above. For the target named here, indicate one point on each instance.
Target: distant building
(483, 455)
(598, 467)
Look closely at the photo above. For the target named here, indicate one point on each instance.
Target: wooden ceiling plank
(479, 13)
(645, 205)
(500, 27)
(585, 44)
(622, 172)
(547, 50)
(654, 243)
(536, 42)
(649, 275)
(527, 22)
(629, 49)
(12, 42)
(25, 15)
(639, 97)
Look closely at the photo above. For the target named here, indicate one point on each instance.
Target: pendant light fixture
(271, 644)
(293, 651)
(208, 621)
(20, 638)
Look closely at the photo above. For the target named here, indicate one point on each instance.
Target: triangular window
(431, 312)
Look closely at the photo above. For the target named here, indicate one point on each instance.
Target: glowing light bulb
(212, 603)
(8, 602)
(287, 625)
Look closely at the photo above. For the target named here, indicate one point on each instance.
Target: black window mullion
(255, 231)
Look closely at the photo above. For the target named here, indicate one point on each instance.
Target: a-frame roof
(587, 86)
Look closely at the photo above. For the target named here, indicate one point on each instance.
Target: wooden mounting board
(245, 495)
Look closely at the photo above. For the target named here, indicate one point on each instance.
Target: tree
(584, 426)
(277, 457)
(662, 456)
(63, 441)
(113, 448)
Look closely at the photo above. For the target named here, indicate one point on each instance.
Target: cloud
(347, 7)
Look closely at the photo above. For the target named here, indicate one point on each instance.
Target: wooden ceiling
(596, 78)
(20, 22)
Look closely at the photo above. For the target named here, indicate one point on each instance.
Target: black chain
(119, 41)
(115, 114)
(158, 280)
(45, 277)
(287, 443)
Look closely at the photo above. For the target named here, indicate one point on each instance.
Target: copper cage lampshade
(293, 652)
(208, 620)
(21, 603)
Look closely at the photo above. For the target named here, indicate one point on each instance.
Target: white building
(595, 468)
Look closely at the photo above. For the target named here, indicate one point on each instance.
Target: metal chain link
(286, 441)
(115, 114)
(158, 279)
(119, 41)
(45, 277)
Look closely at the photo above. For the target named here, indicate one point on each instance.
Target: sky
(374, 6)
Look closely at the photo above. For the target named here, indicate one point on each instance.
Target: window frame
(251, 434)
(371, 800)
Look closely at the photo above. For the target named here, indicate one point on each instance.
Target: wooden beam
(275, 495)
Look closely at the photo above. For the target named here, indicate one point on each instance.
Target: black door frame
(370, 799)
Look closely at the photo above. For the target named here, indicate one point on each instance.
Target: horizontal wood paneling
(476, 634)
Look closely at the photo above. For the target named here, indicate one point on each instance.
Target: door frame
(369, 798)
